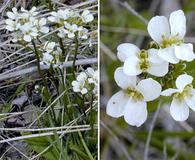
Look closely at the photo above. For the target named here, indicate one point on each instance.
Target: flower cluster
(25, 25)
(86, 81)
(72, 23)
(169, 49)
(52, 54)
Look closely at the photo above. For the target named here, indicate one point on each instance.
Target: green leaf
(79, 152)
(39, 144)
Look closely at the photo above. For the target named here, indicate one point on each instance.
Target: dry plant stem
(48, 108)
(34, 69)
(127, 6)
(12, 146)
(121, 147)
(132, 31)
(43, 134)
(108, 52)
(150, 131)
(43, 129)
(69, 124)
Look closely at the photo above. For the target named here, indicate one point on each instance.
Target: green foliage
(39, 144)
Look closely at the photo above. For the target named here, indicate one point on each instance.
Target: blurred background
(123, 21)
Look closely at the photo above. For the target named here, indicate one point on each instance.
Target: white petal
(14, 10)
(84, 91)
(158, 26)
(154, 57)
(158, 70)
(74, 83)
(126, 50)
(135, 113)
(177, 22)
(168, 54)
(179, 110)
(149, 88)
(52, 19)
(116, 104)
(11, 15)
(184, 52)
(44, 30)
(27, 38)
(9, 28)
(9, 22)
(131, 66)
(183, 80)
(75, 88)
(71, 35)
(42, 21)
(124, 81)
(191, 100)
(169, 92)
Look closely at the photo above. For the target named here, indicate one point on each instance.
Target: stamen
(172, 40)
(185, 93)
(134, 94)
(144, 63)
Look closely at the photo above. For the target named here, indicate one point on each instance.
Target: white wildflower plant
(145, 72)
(86, 82)
(25, 25)
(72, 23)
(57, 46)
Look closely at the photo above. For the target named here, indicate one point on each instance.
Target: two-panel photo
(97, 80)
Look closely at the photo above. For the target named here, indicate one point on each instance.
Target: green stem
(91, 114)
(75, 56)
(37, 57)
(85, 146)
(43, 78)
(62, 47)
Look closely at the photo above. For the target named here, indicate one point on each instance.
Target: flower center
(133, 93)
(185, 93)
(169, 42)
(144, 63)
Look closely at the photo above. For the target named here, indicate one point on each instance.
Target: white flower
(93, 75)
(79, 83)
(12, 21)
(40, 24)
(62, 33)
(170, 36)
(47, 59)
(87, 16)
(29, 32)
(12, 25)
(73, 13)
(93, 79)
(29, 14)
(60, 16)
(49, 46)
(82, 32)
(131, 101)
(138, 61)
(52, 54)
(69, 30)
(183, 97)
(14, 14)
(26, 24)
